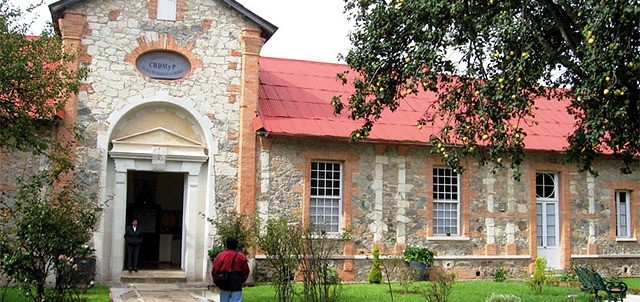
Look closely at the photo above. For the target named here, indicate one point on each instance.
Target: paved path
(139, 292)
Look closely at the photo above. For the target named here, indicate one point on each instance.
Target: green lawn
(99, 293)
(632, 282)
(463, 291)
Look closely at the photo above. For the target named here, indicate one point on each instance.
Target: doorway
(156, 199)
(547, 218)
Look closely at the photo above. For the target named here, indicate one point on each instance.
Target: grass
(98, 293)
(632, 282)
(467, 291)
(462, 291)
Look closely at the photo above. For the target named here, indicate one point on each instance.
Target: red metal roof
(295, 100)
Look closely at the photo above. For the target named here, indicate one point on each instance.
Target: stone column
(118, 213)
(192, 242)
(377, 226)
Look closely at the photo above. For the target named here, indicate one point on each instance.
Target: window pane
(622, 210)
(551, 240)
(166, 10)
(445, 202)
(326, 195)
(546, 185)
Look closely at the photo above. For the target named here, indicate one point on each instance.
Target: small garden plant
(375, 275)
(539, 278)
(438, 290)
(500, 275)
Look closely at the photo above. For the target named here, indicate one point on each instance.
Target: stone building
(185, 120)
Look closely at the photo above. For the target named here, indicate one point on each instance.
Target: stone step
(154, 276)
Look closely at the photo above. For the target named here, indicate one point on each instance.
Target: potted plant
(420, 260)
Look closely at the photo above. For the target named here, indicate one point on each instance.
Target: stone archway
(157, 136)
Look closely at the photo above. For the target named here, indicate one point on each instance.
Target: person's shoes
(135, 270)
(129, 271)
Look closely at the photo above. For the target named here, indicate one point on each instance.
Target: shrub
(375, 275)
(539, 278)
(46, 229)
(320, 281)
(241, 226)
(503, 298)
(282, 257)
(439, 289)
(215, 250)
(500, 275)
(419, 254)
(331, 276)
(405, 277)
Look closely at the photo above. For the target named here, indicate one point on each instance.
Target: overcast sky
(313, 30)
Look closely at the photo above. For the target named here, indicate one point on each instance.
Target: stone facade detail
(217, 41)
(387, 189)
(164, 42)
(389, 202)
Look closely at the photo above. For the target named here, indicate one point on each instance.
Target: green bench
(592, 282)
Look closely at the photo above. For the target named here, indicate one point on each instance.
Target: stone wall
(396, 267)
(209, 100)
(208, 34)
(387, 202)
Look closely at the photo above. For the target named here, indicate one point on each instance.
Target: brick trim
(465, 197)
(164, 43)
(634, 198)
(565, 176)
(152, 9)
(72, 27)
(251, 43)
(348, 160)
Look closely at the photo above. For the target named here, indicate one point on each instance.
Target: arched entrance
(158, 169)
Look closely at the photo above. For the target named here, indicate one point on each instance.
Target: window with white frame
(167, 10)
(446, 202)
(623, 220)
(547, 200)
(326, 196)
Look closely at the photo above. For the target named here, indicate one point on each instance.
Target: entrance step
(154, 276)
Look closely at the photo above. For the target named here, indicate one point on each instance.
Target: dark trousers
(133, 251)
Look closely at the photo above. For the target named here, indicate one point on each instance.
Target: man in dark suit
(133, 239)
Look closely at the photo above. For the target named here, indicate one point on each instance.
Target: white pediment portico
(158, 142)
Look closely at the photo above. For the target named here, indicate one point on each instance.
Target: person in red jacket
(231, 291)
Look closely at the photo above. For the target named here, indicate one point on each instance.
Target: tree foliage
(35, 81)
(488, 60)
(46, 231)
(45, 225)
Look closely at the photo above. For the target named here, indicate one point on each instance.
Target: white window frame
(330, 227)
(554, 198)
(450, 201)
(623, 213)
(167, 10)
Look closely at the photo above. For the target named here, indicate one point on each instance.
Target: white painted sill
(626, 239)
(448, 238)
